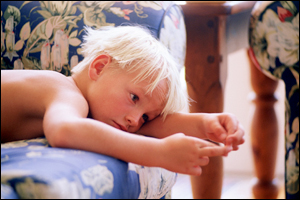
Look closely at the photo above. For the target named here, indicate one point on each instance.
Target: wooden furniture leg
(264, 134)
(206, 60)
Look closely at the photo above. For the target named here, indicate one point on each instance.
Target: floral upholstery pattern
(33, 169)
(46, 35)
(274, 48)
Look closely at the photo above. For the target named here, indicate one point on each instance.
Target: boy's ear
(97, 65)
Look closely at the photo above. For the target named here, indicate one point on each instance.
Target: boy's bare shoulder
(24, 76)
(35, 80)
(27, 95)
(38, 88)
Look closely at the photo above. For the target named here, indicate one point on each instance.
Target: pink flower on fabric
(283, 13)
(127, 11)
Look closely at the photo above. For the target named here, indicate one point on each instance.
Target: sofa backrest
(46, 35)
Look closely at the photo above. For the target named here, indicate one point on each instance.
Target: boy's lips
(118, 126)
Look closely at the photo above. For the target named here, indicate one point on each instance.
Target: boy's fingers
(214, 151)
(195, 171)
(219, 132)
(202, 161)
(237, 138)
(207, 143)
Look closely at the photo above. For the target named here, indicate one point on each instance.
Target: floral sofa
(46, 35)
(274, 49)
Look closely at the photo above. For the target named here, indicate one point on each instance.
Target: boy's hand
(224, 128)
(186, 154)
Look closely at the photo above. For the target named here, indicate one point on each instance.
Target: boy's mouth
(120, 127)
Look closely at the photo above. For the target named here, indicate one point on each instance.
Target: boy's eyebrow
(159, 97)
(142, 90)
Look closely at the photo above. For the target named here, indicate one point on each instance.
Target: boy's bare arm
(219, 127)
(174, 123)
(65, 126)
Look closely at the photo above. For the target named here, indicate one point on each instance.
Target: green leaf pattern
(58, 16)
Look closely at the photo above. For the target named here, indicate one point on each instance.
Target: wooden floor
(235, 186)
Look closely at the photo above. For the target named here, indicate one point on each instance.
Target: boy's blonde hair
(133, 48)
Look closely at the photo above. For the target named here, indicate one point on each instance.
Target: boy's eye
(134, 97)
(145, 118)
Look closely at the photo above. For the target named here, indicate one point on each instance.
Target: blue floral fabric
(46, 35)
(274, 49)
(33, 169)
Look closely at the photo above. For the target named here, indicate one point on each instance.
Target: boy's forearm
(187, 123)
(91, 135)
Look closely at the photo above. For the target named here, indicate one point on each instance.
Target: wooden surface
(213, 31)
(205, 8)
(264, 134)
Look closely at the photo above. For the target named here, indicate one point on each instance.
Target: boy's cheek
(134, 129)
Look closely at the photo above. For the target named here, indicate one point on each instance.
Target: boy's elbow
(60, 135)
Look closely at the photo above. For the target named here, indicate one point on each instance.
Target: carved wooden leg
(209, 184)
(264, 134)
(205, 60)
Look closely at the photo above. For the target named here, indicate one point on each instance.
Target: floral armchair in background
(46, 35)
(274, 51)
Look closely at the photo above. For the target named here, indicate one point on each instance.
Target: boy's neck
(82, 81)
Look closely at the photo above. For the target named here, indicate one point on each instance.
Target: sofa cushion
(33, 169)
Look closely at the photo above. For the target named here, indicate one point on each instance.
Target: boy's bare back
(25, 96)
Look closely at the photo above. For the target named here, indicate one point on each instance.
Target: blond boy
(127, 82)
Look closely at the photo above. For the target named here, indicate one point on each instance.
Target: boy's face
(115, 100)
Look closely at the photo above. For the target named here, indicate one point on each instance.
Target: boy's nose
(133, 120)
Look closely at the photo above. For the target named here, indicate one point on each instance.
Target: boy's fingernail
(229, 148)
